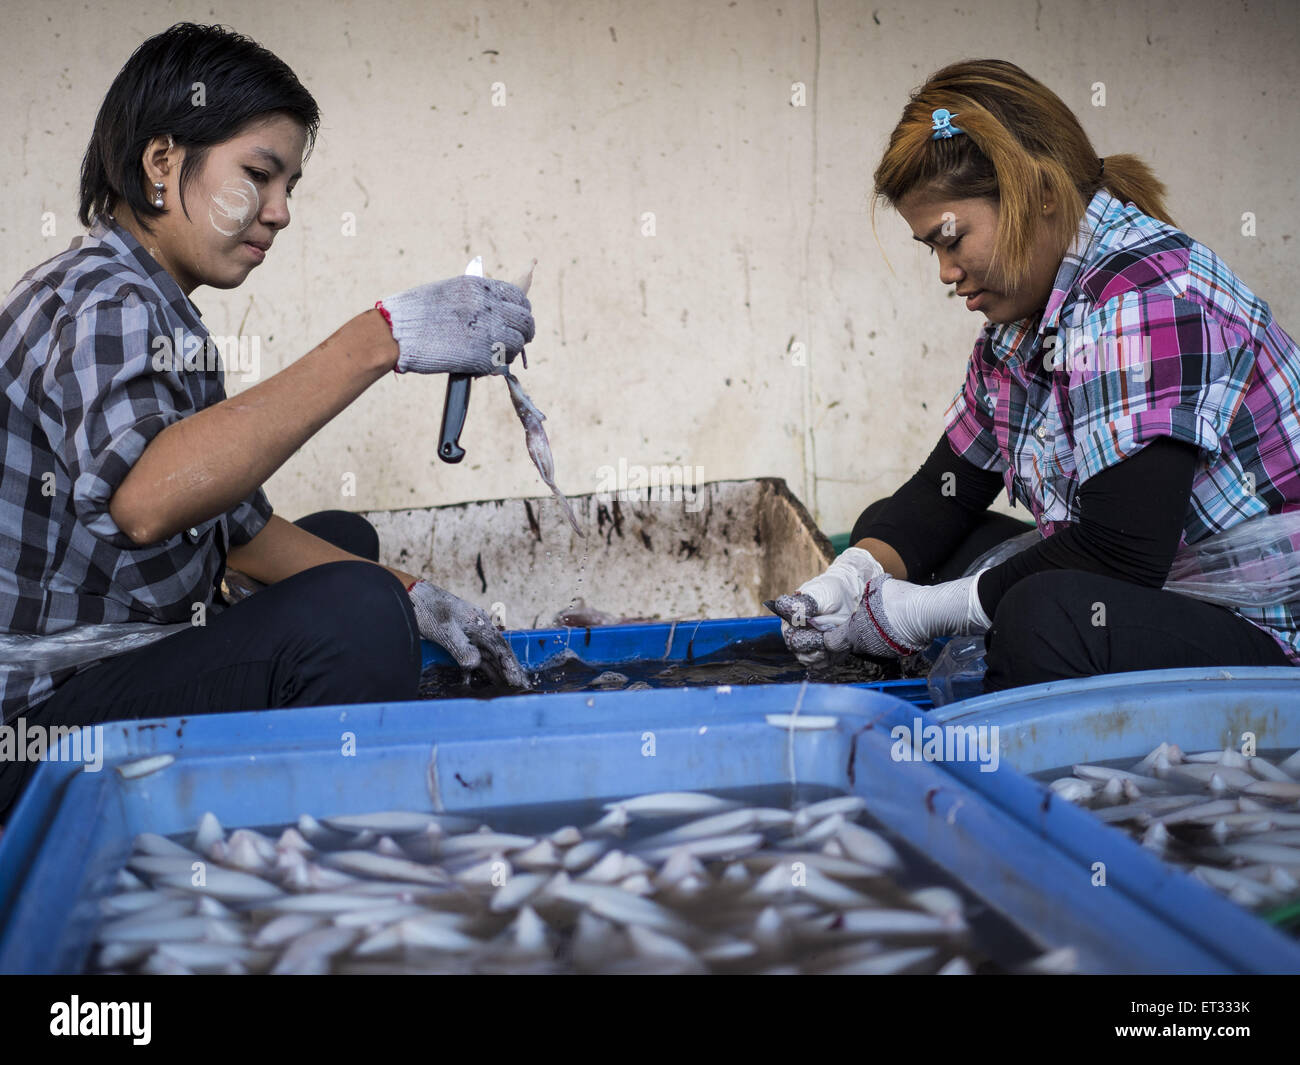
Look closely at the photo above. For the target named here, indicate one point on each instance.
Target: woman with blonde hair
(1127, 387)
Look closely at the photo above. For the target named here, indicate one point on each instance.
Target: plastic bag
(999, 553)
(958, 672)
(1253, 564)
(35, 653)
(23, 657)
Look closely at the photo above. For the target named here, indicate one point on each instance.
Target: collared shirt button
(193, 533)
(1041, 431)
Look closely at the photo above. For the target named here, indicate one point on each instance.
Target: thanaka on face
(236, 204)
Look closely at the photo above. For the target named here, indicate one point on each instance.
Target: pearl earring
(158, 199)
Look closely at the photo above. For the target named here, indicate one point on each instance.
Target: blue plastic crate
(1125, 715)
(1122, 715)
(676, 641)
(73, 830)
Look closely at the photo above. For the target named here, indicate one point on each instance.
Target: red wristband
(379, 306)
(896, 647)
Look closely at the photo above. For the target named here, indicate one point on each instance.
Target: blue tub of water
(1123, 716)
(73, 830)
(675, 642)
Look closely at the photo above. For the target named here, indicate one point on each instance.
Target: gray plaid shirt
(83, 395)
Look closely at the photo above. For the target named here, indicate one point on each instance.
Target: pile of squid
(1232, 820)
(676, 882)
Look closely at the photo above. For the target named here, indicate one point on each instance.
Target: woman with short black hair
(129, 480)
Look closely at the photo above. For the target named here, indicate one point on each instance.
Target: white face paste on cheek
(233, 207)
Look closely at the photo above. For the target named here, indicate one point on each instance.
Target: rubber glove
(468, 325)
(898, 618)
(466, 632)
(825, 602)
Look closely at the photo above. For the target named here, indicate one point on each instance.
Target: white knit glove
(836, 593)
(898, 618)
(824, 602)
(470, 325)
(466, 632)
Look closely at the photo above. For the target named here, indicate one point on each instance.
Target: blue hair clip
(943, 126)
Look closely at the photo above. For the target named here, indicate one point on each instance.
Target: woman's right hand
(466, 632)
(825, 602)
(464, 325)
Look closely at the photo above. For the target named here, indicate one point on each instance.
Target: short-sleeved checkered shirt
(86, 346)
(1147, 333)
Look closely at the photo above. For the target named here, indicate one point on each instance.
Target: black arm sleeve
(928, 517)
(1131, 518)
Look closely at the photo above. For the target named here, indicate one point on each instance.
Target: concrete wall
(673, 348)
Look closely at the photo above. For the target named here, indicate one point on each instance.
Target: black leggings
(343, 632)
(1070, 623)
